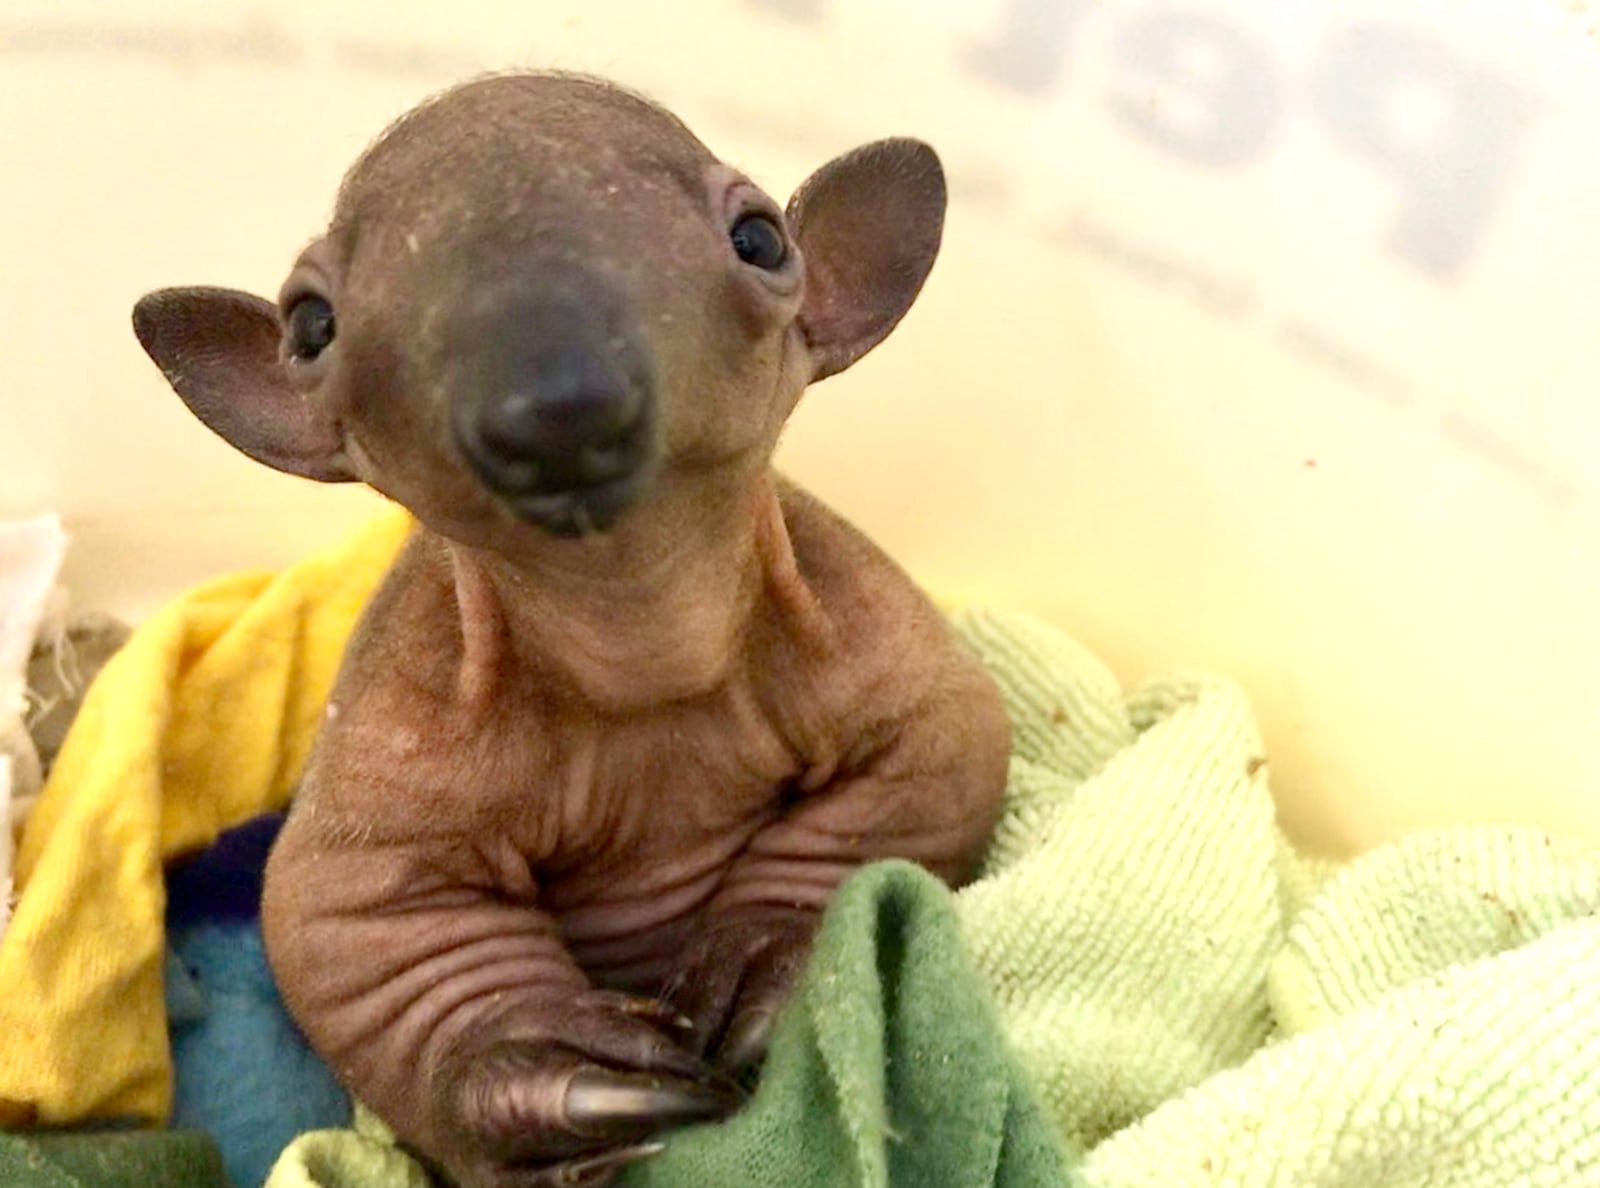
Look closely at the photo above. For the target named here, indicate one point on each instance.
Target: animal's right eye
(310, 323)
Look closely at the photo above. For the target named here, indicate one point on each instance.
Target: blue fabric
(244, 1073)
(223, 882)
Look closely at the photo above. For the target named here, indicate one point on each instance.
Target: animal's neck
(638, 616)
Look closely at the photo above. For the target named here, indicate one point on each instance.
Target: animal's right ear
(218, 349)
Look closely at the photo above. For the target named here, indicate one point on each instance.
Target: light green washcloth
(1190, 1000)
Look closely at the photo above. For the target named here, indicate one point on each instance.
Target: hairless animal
(629, 705)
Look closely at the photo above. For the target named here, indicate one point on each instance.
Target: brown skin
(623, 716)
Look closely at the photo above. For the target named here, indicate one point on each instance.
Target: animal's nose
(571, 422)
(540, 424)
(573, 419)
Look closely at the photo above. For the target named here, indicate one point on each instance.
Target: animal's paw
(569, 1094)
(736, 975)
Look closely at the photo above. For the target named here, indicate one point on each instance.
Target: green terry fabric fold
(102, 1159)
(890, 1069)
(1130, 900)
(1149, 987)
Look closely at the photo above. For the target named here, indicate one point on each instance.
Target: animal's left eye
(758, 241)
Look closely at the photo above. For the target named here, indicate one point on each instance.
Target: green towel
(891, 1069)
(111, 1159)
(1187, 999)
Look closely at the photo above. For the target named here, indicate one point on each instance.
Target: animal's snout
(575, 425)
(553, 405)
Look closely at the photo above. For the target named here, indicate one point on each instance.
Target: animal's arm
(916, 722)
(387, 952)
(444, 999)
(926, 785)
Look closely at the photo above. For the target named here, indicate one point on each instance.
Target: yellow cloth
(203, 720)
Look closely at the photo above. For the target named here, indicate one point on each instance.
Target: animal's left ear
(869, 225)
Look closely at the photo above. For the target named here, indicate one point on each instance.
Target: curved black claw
(619, 1107)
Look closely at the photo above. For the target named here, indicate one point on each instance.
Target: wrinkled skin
(629, 707)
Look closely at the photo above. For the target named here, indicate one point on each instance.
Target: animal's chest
(628, 826)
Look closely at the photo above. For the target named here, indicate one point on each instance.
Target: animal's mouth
(578, 511)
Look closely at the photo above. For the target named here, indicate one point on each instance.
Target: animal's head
(543, 301)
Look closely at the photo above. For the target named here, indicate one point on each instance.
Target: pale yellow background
(1197, 412)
